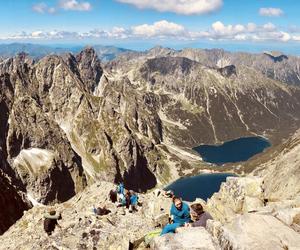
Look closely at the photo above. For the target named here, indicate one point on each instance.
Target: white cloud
(271, 12)
(219, 29)
(159, 29)
(185, 7)
(75, 5)
(269, 27)
(43, 8)
(251, 27)
(168, 30)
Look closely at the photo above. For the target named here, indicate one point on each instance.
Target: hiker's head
(177, 202)
(52, 212)
(196, 210)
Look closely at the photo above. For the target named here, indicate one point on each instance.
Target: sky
(140, 24)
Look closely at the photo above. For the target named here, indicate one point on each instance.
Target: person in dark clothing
(127, 198)
(50, 221)
(199, 216)
(113, 196)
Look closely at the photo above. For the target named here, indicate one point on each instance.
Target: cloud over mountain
(164, 29)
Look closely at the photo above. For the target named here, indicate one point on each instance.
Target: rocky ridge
(246, 216)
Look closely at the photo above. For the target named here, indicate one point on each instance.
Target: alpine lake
(205, 185)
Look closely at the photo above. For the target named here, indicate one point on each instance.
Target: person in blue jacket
(180, 214)
(120, 188)
(133, 201)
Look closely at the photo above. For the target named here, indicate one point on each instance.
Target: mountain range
(69, 120)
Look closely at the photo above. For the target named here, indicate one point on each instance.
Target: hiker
(120, 188)
(127, 198)
(199, 216)
(133, 201)
(113, 196)
(51, 221)
(122, 200)
(180, 213)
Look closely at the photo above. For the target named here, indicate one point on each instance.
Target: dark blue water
(233, 151)
(201, 186)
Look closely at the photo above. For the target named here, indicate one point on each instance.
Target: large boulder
(236, 196)
(188, 239)
(256, 231)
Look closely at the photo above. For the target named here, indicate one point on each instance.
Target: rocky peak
(20, 63)
(89, 67)
(160, 51)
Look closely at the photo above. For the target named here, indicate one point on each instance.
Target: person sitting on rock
(113, 196)
(133, 201)
(180, 214)
(199, 216)
(127, 199)
(51, 221)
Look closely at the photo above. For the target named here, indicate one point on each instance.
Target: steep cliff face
(12, 204)
(66, 125)
(31, 135)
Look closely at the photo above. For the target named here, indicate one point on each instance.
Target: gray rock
(188, 238)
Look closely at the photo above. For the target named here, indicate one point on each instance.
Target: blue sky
(139, 24)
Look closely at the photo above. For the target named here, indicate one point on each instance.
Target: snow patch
(34, 160)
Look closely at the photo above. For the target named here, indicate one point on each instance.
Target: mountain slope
(70, 122)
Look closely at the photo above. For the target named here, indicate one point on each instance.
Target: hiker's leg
(170, 228)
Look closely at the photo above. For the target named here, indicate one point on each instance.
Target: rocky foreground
(260, 211)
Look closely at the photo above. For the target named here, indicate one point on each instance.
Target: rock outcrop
(81, 228)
